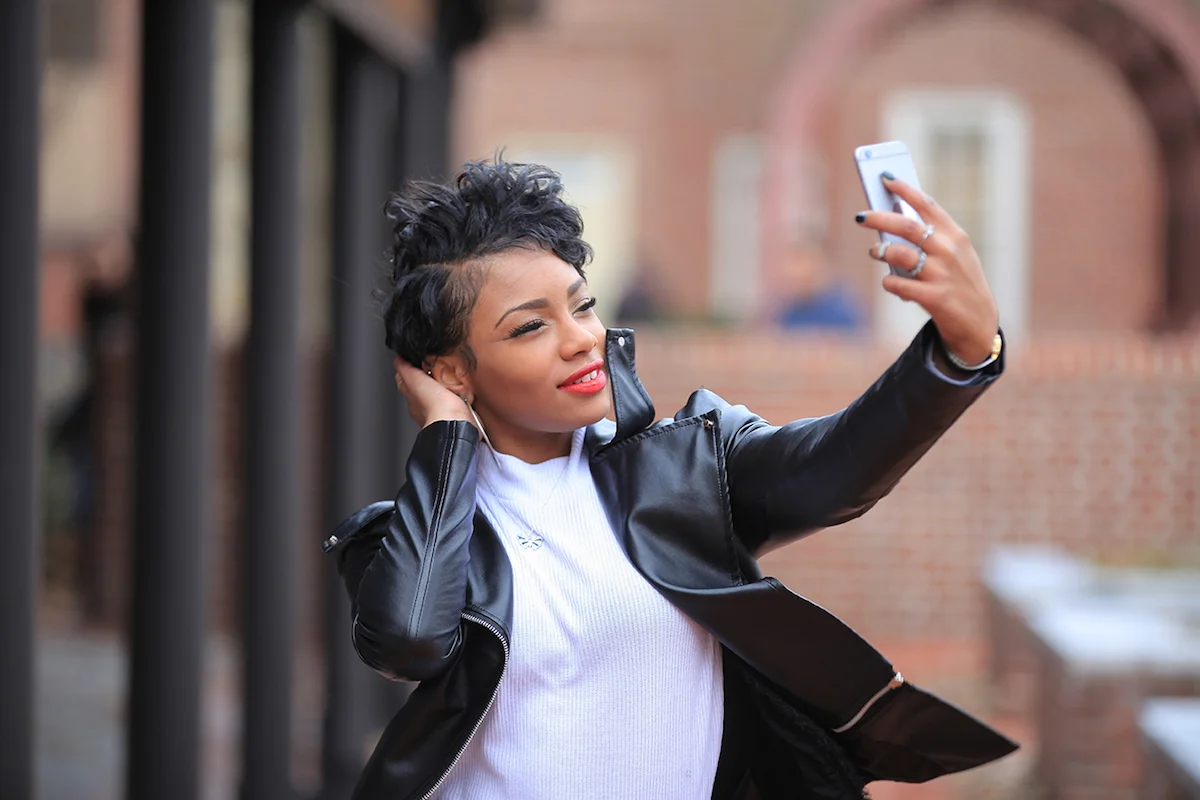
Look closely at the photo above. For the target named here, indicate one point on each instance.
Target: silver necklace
(528, 539)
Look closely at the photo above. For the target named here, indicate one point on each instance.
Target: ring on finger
(929, 231)
(881, 249)
(915, 271)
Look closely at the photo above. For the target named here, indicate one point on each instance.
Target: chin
(594, 412)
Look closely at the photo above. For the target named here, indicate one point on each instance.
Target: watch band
(997, 346)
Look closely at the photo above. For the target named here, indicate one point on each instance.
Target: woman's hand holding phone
(950, 285)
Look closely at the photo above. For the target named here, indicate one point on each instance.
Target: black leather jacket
(693, 500)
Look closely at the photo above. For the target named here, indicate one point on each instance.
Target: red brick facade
(812, 79)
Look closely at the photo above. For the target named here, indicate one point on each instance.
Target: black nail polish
(887, 176)
(860, 217)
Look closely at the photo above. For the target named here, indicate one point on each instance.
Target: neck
(532, 447)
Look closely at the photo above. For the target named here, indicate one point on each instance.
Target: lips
(587, 380)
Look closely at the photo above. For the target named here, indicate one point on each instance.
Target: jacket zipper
(478, 620)
(895, 683)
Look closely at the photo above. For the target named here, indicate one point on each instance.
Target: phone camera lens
(867, 153)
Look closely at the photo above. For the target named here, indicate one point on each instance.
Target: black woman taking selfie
(573, 582)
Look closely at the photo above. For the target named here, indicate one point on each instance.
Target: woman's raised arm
(786, 482)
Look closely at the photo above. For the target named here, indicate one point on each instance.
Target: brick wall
(1089, 144)
(668, 87)
(1092, 444)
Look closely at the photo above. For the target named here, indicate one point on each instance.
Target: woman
(578, 598)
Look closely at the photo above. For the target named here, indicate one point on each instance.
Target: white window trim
(911, 116)
(734, 222)
(598, 172)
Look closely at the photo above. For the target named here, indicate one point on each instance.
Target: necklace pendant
(530, 541)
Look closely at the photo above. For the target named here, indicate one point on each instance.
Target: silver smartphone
(872, 161)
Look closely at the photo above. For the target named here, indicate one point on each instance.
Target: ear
(451, 371)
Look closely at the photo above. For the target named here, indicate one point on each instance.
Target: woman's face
(539, 349)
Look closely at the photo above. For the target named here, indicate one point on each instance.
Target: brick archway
(1153, 44)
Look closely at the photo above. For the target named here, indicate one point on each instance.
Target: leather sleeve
(406, 570)
(788, 482)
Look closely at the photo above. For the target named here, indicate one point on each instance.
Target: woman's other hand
(950, 284)
(428, 400)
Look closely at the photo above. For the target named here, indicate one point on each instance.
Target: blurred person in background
(814, 298)
(642, 300)
(575, 586)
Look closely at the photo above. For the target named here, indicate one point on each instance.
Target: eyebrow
(541, 302)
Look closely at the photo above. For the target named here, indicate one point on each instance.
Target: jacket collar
(632, 406)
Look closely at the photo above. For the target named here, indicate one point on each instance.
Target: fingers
(926, 295)
(923, 204)
(935, 243)
(902, 257)
(408, 377)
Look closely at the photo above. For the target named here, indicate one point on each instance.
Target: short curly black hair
(441, 236)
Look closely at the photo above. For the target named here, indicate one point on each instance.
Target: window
(971, 149)
(597, 174)
(737, 181)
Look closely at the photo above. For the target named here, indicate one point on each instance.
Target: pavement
(80, 715)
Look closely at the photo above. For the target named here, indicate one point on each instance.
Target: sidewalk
(81, 710)
(80, 716)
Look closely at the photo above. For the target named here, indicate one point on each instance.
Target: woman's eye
(588, 305)
(528, 327)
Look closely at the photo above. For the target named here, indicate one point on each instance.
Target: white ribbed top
(610, 692)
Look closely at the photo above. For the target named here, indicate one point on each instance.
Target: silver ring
(929, 230)
(915, 271)
(883, 248)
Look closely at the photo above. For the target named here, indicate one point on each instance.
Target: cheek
(515, 376)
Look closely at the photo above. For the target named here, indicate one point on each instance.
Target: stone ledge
(1170, 731)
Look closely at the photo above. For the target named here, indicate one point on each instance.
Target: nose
(577, 340)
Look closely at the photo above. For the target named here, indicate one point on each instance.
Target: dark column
(421, 149)
(272, 412)
(426, 96)
(20, 78)
(1181, 279)
(355, 402)
(171, 515)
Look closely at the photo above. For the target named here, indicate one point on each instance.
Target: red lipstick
(588, 380)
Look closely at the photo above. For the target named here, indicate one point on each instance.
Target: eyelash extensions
(535, 324)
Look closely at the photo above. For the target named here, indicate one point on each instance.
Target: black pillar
(172, 511)
(426, 96)
(357, 355)
(20, 78)
(272, 450)
(421, 152)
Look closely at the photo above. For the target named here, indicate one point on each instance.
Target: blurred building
(718, 140)
(709, 145)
